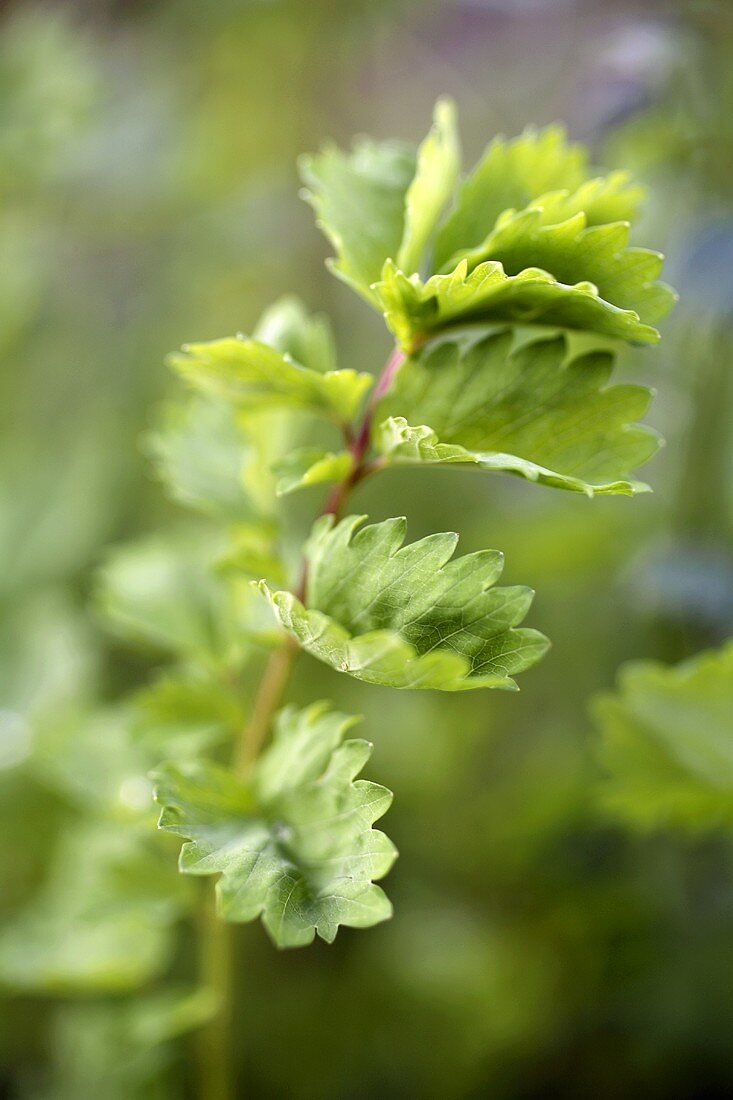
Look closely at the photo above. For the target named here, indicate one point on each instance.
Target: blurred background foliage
(149, 197)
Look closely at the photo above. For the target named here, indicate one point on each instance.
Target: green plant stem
(215, 1063)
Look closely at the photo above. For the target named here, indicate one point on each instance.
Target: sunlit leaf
(408, 617)
(536, 411)
(667, 743)
(438, 164)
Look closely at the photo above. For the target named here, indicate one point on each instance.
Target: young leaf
(294, 843)
(510, 175)
(438, 164)
(310, 466)
(667, 743)
(408, 617)
(573, 251)
(200, 454)
(359, 200)
(307, 338)
(534, 411)
(416, 310)
(254, 376)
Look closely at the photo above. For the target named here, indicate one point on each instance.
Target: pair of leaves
(667, 743)
(293, 842)
(408, 616)
(532, 237)
(535, 410)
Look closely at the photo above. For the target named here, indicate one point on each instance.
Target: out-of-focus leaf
(667, 743)
(438, 164)
(408, 617)
(120, 1049)
(102, 921)
(183, 713)
(306, 337)
(536, 411)
(200, 454)
(253, 375)
(311, 466)
(359, 200)
(161, 592)
(294, 842)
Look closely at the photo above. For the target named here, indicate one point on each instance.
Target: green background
(149, 197)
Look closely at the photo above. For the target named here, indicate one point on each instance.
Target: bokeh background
(149, 197)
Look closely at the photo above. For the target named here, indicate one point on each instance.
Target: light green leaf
(103, 920)
(253, 375)
(359, 200)
(509, 176)
(573, 251)
(184, 712)
(311, 466)
(537, 411)
(667, 743)
(414, 310)
(200, 455)
(305, 337)
(438, 164)
(408, 617)
(162, 592)
(294, 842)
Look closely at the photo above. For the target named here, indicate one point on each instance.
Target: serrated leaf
(536, 410)
(102, 921)
(253, 376)
(200, 454)
(293, 843)
(667, 743)
(415, 310)
(438, 164)
(509, 175)
(573, 251)
(408, 617)
(359, 200)
(306, 337)
(311, 466)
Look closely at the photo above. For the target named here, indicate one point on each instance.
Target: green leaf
(307, 338)
(161, 592)
(102, 921)
(254, 376)
(200, 454)
(294, 842)
(509, 176)
(184, 712)
(359, 200)
(537, 411)
(554, 235)
(408, 617)
(667, 743)
(122, 1049)
(438, 164)
(311, 466)
(414, 311)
